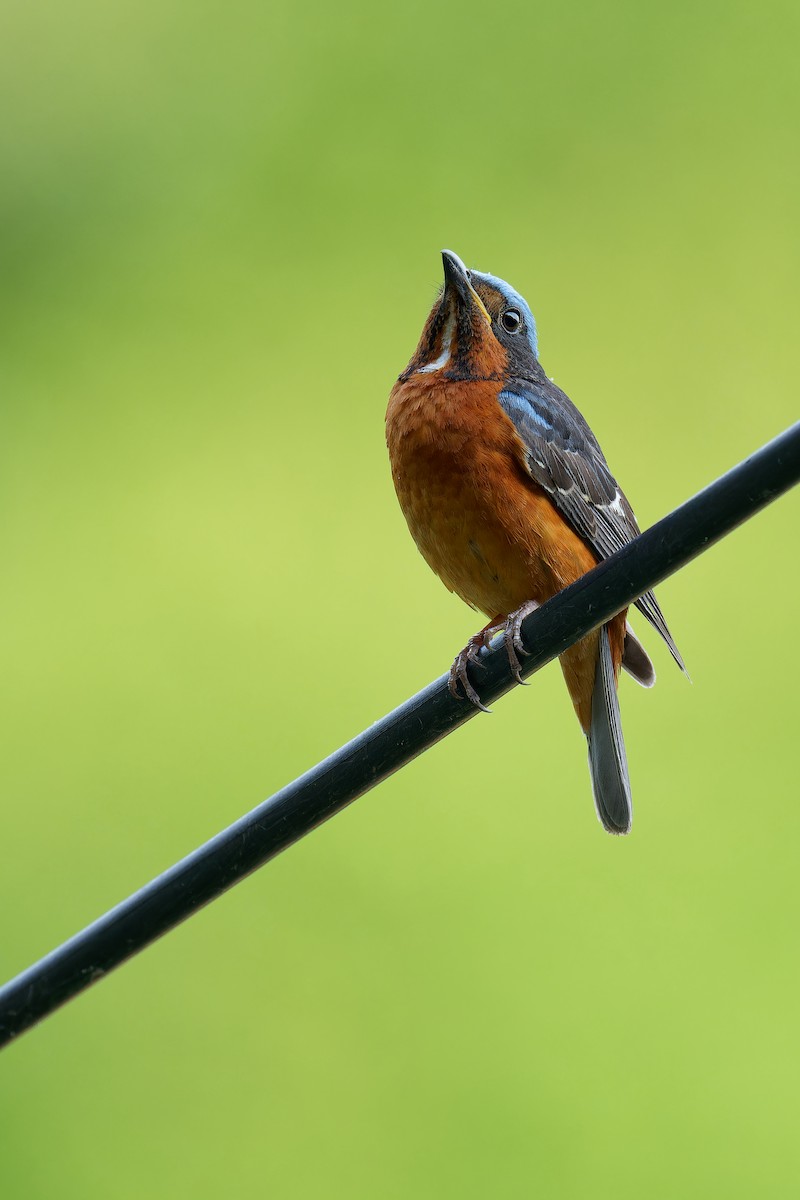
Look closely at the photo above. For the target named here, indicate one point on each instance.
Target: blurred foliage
(220, 228)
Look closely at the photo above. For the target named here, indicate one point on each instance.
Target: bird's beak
(456, 280)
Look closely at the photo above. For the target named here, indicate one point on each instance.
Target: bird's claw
(513, 639)
(458, 682)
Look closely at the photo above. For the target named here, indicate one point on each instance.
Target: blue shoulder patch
(521, 410)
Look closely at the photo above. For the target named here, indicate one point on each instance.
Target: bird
(509, 499)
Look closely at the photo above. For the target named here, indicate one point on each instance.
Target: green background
(220, 234)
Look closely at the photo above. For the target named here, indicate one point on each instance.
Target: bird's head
(479, 328)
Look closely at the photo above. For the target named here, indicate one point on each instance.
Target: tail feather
(636, 660)
(607, 761)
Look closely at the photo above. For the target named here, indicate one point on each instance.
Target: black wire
(395, 740)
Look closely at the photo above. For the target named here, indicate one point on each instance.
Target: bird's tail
(607, 761)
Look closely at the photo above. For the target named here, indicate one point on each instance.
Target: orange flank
(481, 523)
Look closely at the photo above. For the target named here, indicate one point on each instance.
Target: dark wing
(564, 458)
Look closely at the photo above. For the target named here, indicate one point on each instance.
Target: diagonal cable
(396, 739)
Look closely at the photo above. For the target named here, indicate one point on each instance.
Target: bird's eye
(511, 320)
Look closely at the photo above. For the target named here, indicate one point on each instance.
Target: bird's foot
(459, 684)
(513, 639)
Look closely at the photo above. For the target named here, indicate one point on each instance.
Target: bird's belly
(492, 538)
(463, 545)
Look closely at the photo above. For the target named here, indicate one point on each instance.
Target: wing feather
(564, 457)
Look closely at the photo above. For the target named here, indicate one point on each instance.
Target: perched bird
(509, 498)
